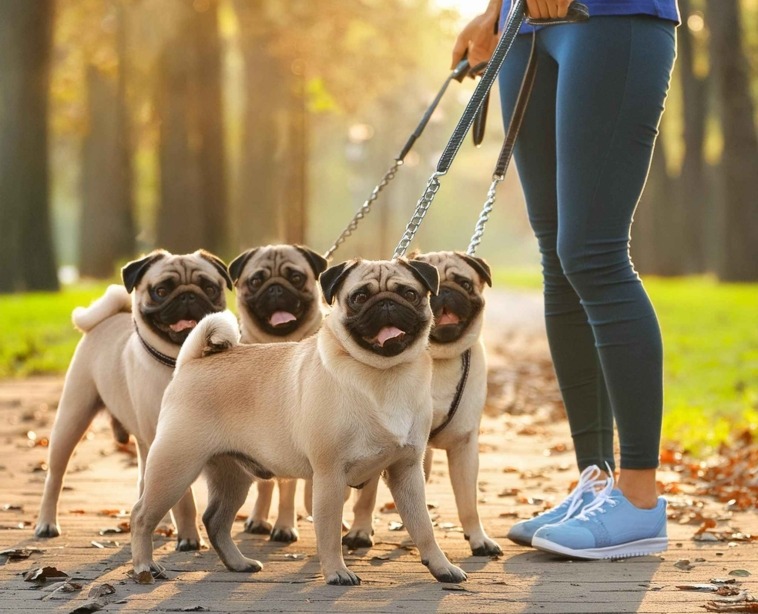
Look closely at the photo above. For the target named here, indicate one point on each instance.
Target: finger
(533, 9)
(546, 8)
(563, 6)
(459, 49)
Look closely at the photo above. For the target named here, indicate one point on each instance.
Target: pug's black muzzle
(277, 297)
(455, 302)
(385, 310)
(187, 305)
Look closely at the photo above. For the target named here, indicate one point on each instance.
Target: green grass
(36, 333)
(710, 341)
(709, 331)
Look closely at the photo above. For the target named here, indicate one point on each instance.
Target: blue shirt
(663, 9)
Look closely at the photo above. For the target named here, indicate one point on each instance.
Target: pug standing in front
(338, 407)
(125, 361)
(278, 300)
(459, 390)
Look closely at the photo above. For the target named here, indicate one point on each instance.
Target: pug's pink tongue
(281, 317)
(447, 318)
(181, 325)
(387, 333)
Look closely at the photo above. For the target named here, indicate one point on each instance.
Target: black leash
(159, 356)
(466, 364)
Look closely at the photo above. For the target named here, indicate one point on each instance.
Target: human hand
(547, 9)
(478, 38)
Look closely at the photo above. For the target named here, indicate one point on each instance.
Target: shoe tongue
(281, 317)
(387, 333)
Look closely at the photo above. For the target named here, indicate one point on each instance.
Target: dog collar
(159, 356)
(466, 364)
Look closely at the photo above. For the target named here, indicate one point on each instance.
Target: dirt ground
(527, 464)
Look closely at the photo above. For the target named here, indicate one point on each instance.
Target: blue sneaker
(608, 528)
(591, 481)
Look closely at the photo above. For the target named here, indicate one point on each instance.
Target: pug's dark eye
(410, 295)
(467, 285)
(359, 298)
(211, 291)
(255, 283)
(296, 278)
(161, 292)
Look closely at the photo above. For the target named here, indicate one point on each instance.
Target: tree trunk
(26, 251)
(192, 211)
(294, 165)
(738, 259)
(264, 133)
(693, 179)
(107, 226)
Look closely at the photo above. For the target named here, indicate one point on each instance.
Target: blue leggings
(583, 156)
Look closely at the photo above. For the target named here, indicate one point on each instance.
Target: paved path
(526, 461)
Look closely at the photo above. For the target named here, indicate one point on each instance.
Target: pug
(459, 390)
(278, 299)
(338, 407)
(126, 359)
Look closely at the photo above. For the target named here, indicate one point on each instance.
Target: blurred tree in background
(26, 249)
(225, 124)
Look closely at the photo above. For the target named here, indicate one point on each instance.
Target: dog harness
(466, 364)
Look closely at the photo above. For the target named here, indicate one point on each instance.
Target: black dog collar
(159, 356)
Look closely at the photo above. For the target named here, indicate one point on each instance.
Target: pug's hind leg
(167, 457)
(78, 406)
(463, 465)
(285, 529)
(257, 523)
(362, 528)
(406, 482)
(228, 485)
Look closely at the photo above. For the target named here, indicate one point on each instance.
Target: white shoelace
(589, 481)
(603, 497)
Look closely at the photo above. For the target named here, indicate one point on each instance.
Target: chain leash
(365, 207)
(432, 187)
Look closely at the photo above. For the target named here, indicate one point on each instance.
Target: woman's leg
(613, 76)
(571, 340)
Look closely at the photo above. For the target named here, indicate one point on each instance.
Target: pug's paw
(47, 529)
(342, 577)
(285, 535)
(257, 527)
(358, 539)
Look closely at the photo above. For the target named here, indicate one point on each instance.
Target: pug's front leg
(328, 490)
(405, 479)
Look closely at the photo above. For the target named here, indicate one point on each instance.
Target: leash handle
(577, 12)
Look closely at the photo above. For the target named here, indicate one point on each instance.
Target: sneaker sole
(519, 541)
(641, 547)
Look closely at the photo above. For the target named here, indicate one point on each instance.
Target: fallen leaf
(43, 574)
(684, 565)
(12, 507)
(381, 557)
(101, 590)
(19, 554)
(395, 526)
(742, 573)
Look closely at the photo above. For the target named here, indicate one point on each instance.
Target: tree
(738, 258)
(107, 229)
(26, 251)
(193, 208)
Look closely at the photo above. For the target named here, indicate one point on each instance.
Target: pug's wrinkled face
(172, 293)
(277, 291)
(383, 306)
(459, 304)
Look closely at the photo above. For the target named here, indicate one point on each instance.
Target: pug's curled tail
(215, 333)
(115, 300)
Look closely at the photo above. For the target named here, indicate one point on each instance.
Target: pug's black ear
(480, 266)
(317, 261)
(332, 279)
(236, 265)
(219, 265)
(426, 273)
(134, 271)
